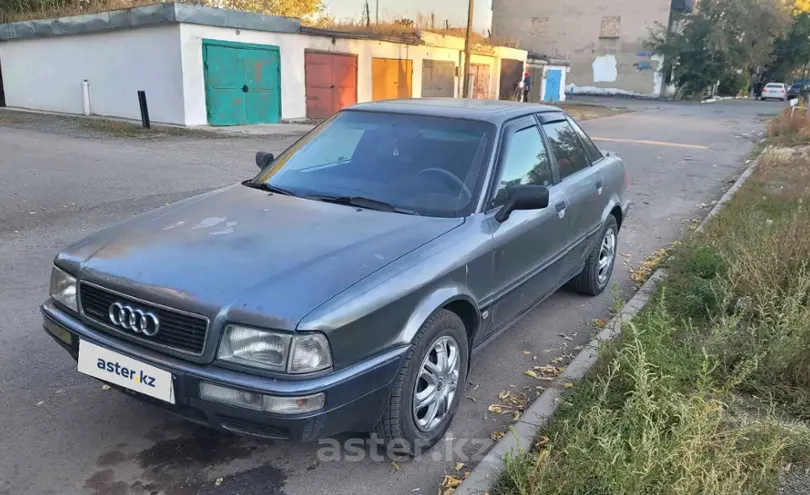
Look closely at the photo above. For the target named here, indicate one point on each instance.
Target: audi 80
(345, 287)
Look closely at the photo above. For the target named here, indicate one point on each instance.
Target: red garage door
(331, 82)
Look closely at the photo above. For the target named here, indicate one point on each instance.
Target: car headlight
(275, 351)
(63, 289)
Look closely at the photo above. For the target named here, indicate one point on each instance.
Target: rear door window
(568, 151)
(592, 151)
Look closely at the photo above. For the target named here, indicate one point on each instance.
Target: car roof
(493, 111)
(775, 84)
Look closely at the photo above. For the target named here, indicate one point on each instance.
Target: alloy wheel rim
(436, 383)
(607, 253)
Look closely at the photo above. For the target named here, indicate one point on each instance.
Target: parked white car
(776, 91)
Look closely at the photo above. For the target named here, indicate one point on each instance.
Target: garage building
(208, 66)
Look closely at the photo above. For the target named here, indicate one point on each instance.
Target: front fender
(437, 299)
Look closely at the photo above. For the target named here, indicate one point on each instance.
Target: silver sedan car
(346, 285)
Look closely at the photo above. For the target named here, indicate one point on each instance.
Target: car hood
(245, 255)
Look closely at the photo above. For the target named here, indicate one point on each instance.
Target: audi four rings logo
(135, 319)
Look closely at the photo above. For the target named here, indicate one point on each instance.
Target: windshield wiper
(267, 187)
(363, 202)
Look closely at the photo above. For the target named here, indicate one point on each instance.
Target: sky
(453, 10)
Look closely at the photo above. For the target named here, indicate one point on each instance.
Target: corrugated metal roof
(148, 15)
(408, 39)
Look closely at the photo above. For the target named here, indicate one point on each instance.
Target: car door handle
(560, 207)
(599, 187)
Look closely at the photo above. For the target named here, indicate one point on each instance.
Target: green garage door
(242, 83)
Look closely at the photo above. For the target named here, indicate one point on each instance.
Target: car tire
(400, 426)
(593, 280)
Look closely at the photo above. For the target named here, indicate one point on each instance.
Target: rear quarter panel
(613, 178)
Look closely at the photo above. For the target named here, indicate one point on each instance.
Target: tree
(791, 51)
(306, 10)
(720, 41)
(309, 11)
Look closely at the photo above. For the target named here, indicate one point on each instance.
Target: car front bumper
(355, 397)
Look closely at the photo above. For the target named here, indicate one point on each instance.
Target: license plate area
(124, 371)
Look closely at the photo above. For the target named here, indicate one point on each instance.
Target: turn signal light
(260, 402)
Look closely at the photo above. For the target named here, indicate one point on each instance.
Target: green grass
(707, 390)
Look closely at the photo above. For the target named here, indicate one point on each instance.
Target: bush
(697, 284)
(792, 126)
(733, 84)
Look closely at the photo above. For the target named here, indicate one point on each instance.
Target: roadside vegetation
(707, 391)
(309, 11)
(793, 126)
(731, 46)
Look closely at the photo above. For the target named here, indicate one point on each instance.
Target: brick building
(601, 39)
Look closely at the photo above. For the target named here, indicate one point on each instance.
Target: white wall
(47, 73)
(291, 50)
(166, 62)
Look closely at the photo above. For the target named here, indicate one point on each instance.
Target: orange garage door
(390, 78)
(331, 83)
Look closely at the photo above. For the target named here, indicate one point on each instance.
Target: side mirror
(522, 198)
(264, 159)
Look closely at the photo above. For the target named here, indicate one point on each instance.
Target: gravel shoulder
(99, 128)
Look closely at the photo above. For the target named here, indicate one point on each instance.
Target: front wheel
(427, 390)
(599, 266)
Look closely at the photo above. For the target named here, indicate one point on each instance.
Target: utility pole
(366, 15)
(377, 12)
(468, 50)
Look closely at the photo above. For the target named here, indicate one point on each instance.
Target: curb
(523, 432)
(725, 198)
(724, 98)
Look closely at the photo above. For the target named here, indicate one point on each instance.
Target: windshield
(432, 166)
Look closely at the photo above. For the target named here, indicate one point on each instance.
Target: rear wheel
(599, 266)
(427, 390)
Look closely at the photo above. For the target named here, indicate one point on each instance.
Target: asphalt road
(62, 434)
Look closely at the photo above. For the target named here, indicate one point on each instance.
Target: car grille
(180, 331)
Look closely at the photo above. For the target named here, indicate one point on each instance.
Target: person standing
(527, 86)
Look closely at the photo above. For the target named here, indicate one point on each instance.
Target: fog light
(231, 396)
(294, 405)
(58, 332)
(260, 402)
